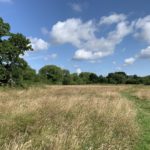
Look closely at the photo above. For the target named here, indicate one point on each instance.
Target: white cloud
(142, 28)
(129, 61)
(83, 37)
(76, 7)
(73, 31)
(101, 47)
(38, 43)
(113, 18)
(145, 53)
(78, 70)
(82, 54)
(6, 1)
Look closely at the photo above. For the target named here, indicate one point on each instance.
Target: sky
(99, 36)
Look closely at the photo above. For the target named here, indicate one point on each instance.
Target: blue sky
(98, 36)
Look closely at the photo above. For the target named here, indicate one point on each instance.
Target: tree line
(52, 74)
(15, 71)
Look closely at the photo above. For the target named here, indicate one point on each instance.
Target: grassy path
(143, 118)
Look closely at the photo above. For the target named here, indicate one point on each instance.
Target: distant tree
(117, 78)
(11, 47)
(102, 79)
(66, 77)
(146, 80)
(51, 74)
(93, 78)
(76, 79)
(85, 77)
(134, 79)
(29, 74)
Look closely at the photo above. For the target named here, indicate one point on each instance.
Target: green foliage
(11, 47)
(85, 77)
(134, 79)
(66, 77)
(103, 79)
(4, 28)
(76, 79)
(117, 78)
(146, 80)
(51, 74)
(93, 78)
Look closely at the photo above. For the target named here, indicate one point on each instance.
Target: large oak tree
(12, 46)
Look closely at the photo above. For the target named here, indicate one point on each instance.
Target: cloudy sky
(98, 36)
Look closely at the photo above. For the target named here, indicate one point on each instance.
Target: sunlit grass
(67, 118)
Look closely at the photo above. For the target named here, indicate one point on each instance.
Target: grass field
(75, 118)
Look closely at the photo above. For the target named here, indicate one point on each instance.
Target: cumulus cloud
(38, 43)
(129, 61)
(142, 31)
(145, 53)
(89, 46)
(82, 54)
(142, 28)
(73, 31)
(83, 36)
(113, 18)
(76, 7)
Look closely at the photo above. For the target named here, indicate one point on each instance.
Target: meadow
(94, 117)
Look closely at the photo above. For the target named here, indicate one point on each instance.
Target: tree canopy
(12, 46)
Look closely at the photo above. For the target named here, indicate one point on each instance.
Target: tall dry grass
(142, 92)
(67, 118)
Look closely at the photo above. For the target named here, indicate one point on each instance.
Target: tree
(93, 78)
(12, 46)
(85, 77)
(51, 74)
(4, 28)
(29, 75)
(134, 79)
(66, 77)
(146, 80)
(103, 79)
(117, 78)
(76, 79)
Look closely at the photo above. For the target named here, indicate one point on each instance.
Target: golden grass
(142, 92)
(67, 118)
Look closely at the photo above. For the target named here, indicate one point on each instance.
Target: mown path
(143, 118)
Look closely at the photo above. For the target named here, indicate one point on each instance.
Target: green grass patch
(143, 118)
